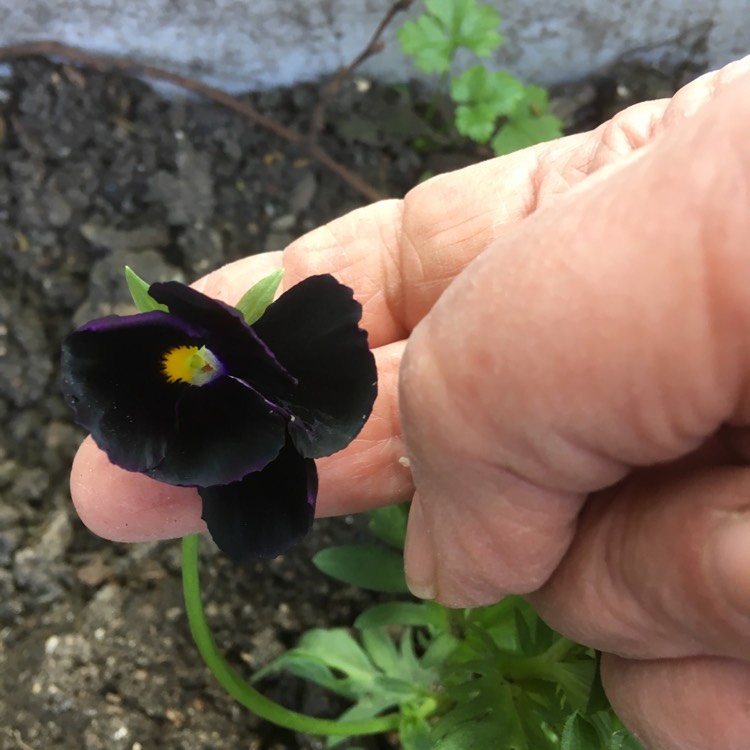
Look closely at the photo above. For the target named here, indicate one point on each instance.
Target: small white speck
(99, 634)
(292, 418)
(120, 734)
(405, 462)
(51, 644)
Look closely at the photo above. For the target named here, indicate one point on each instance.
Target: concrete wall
(242, 44)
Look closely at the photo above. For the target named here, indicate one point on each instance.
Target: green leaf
(522, 133)
(597, 700)
(309, 668)
(389, 524)
(399, 613)
(623, 740)
(525, 641)
(414, 732)
(254, 302)
(579, 734)
(338, 649)
(366, 708)
(576, 678)
(369, 566)
(528, 124)
(425, 40)
(482, 97)
(381, 650)
(433, 38)
(143, 301)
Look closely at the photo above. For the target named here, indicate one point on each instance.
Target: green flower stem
(233, 683)
(436, 94)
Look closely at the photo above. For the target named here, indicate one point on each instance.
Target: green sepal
(255, 300)
(142, 300)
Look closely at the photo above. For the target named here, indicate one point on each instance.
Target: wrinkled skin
(563, 343)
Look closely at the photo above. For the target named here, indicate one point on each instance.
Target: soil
(98, 171)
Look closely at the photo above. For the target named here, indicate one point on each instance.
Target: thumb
(604, 332)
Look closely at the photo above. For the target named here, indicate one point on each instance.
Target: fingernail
(419, 558)
(730, 555)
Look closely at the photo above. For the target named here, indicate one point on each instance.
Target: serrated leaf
(468, 25)
(579, 734)
(389, 523)
(482, 97)
(499, 727)
(312, 669)
(440, 651)
(479, 31)
(528, 124)
(449, 12)
(369, 566)
(255, 300)
(381, 650)
(425, 40)
(520, 133)
(142, 300)
(398, 613)
(433, 38)
(414, 732)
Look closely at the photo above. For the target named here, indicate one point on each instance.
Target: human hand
(597, 333)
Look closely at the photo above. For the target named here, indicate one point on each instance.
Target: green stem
(543, 666)
(233, 683)
(436, 94)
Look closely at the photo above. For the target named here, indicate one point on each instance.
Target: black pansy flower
(193, 395)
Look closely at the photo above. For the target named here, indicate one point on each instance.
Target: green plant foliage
(527, 124)
(402, 613)
(138, 288)
(254, 302)
(369, 566)
(372, 670)
(389, 524)
(482, 97)
(490, 106)
(491, 677)
(435, 36)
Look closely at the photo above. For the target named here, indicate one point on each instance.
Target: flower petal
(225, 430)
(111, 378)
(227, 335)
(313, 331)
(265, 513)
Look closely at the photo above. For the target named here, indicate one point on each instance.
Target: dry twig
(374, 46)
(107, 63)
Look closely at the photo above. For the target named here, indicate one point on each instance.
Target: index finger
(398, 256)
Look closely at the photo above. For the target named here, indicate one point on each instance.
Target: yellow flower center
(190, 364)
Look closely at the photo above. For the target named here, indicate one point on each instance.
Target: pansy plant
(235, 402)
(238, 402)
